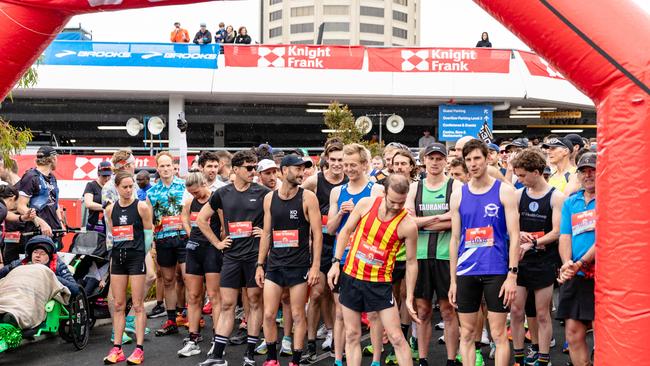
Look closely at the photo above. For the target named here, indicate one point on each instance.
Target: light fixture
(327, 130)
(155, 141)
(318, 104)
(105, 151)
(567, 131)
(563, 127)
(536, 108)
(310, 110)
(520, 116)
(111, 128)
(507, 131)
(73, 141)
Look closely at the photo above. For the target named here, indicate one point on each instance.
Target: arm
(573, 185)
(556, 203)
(409, 229)
(90, 204)
(265, 240)
(186, 35)
(65, 277)
(496, 174)
(509, 201)
(334, 216)
(182, 163)
(313, 214)
(4, 271)
(410, 207)
(454, 242)
(311, 183)
(185, 216)
(147, 223)
(203, 220)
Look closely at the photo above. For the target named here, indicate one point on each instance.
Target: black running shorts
(127, 262)
(202, 259)
(470, 290)
(577, 300)
(238, 274)
(170, 251)
(288, 277)
(365, 296)
(433, 278)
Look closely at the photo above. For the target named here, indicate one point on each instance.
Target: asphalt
(162, 350)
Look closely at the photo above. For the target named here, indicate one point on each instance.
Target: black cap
(575, 140)
(558, 142)
(104, 169)
(521, 142)
(295, 160)
(587, 160)
(435, 147)
(45, 151)
(40, 242)
(547, 170)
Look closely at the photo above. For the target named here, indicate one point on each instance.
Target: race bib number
(370, 255)
(583, 222)
(122, 233)
(479, 237)
(12, 237)
(285, 239)
(323, 220)
(240, 229)
(537, 234)
(172, 223)
(193, 219)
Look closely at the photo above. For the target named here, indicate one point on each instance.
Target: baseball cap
(266, 164)
(520, 142)
(493, 147)
(45, 151)
(203, 25)
(587, 160)
(295, 160)
(104, 169)
(559, 142)
(575, 140)
(547, 170)
(435, 147)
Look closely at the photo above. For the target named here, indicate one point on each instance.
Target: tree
(341, 121)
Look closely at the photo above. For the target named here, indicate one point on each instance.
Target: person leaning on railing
(179, 35)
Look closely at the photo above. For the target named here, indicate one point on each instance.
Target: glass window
(275, 15)
(302, 28)
(398, 15)
(365, 42)
(401, 2)
(400, 33)
(336, 10)
(372, 12)
(372, 28)
(305, 41)
(275, 32)
(302, 11)
(337, 27)
(273, 2)
(337, 41)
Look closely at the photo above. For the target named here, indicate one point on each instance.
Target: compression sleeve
(182, 163)
(148, 240)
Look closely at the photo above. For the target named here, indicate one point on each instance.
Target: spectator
(179, 35)
(143, 180)
(485, 41)
(230, 34)
(426, 140)
(220, 34)
(243, 36)
(203, 36)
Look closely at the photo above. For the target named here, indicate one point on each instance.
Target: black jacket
(207, 37)
(245, 39)
(483, 43)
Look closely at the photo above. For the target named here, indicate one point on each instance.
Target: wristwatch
(513, 270)
(534, 242)
(335, 260)
(260, 264)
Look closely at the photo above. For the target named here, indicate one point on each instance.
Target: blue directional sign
(84, 53)
(456, 121)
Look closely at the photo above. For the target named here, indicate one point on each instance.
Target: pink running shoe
(271, 363)
(115, 355)
(136, 358)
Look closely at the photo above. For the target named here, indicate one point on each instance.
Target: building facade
(342, 22)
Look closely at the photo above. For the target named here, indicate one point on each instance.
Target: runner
(93, 198)
(492, 171)
(458, 170)
(320, 294)
(268, 171)
(203, 261)
(129, 220)
(577, 249)
(428, 203)
(381, 226)
(240, 209)
(540, 210)
(290, 213)
(342, 201)
(484, 214)
(559, 157)
(166, 201)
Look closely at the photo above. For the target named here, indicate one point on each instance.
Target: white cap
(266, 164)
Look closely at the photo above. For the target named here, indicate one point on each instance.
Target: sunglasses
(249, 168)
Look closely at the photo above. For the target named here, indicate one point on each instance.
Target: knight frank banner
(455, 60)
(295, 56)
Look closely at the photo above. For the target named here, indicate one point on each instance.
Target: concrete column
(219, 135)
(176, 106)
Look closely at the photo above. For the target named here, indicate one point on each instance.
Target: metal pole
(381, 115)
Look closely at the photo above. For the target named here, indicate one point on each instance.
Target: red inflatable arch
(601, 47)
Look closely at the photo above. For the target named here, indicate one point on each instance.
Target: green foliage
(30, 78)
(12, 140)
(340, 119)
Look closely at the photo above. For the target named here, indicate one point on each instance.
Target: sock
(250, 350)
(543, 359)
(117, 346)
(375, 363)
(159, 302)
(535, 347)
(451, 362)
(179, 311)
(311, 345)
(219, 346)
(272, 351)
(405, 331)
(140, 346)
(477, 345)
(194, 336)
(297, 355)
(519, 356)
(338, 363)
(424, 362)
(171, 315)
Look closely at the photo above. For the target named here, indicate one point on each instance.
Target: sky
(444, 23)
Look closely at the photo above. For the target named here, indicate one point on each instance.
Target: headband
(122, 163)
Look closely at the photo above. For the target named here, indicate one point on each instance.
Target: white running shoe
(440, 326)
(441, 340)
(322, 332)
(189, 349)
(484, 337)
(327, 343)
(286, 349)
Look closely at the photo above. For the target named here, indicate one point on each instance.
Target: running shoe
(308, 357)
(441, 339)
(322, 332)
(115, 355)
(211, 350)
(157, 311)
(479, 358)
(413, 342)
(202, 323)
(285, 348)
(271, 363)
(368, 350)
(168, 328)
(278, 317)
(364, 320)
(136, 358)
(248, 361)
(181, 320)
(293, 364)
(190, 348)
(239, 337)
(493, 350)
(197, 340)
(214, 362)
(262, 349)
(207, 308)
(552, 345)
(327, 343)
(531, 357)
(130, 326)
(440, 326)
(484, 337)
(125, 338)
(391, 359)
(375, 363)
(239, 313)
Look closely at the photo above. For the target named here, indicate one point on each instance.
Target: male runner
(166, 200)
(342, 201)
(320, 294)
(381, 226)
(539, 223)
(458, 170)
(240, 208)
(484, 215)
(577, 249)
(428, 204)
(559, 157)
(290, 215)
(268, 174)
(492, 171)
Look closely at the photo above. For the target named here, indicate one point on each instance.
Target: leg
(212, 288)
(180, 286)
(313, 311)
(517, 315)
(352, 321)
(272, 293)
(226, 320)
(451, 332)
(500, 336)
(424, 309)
(376, 335)
(544, 331)
(194, 284)
(286, 313)
(468, 323)
(298, 294)
(137, 296)
(256, 311)
(160, 285)
(118, 289)
(169, 278)
(576, 335)
(339, 330)
(391, 322)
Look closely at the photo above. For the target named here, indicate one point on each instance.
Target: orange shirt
(180, 35)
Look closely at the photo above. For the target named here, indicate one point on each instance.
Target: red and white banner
(439, 60)
(537, 66)
(295, 56)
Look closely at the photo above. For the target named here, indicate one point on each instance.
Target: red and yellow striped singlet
(374, 246)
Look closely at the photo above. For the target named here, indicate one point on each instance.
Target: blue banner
(456, 121)
(178, 55)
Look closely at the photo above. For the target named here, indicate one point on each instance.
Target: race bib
(12, 237)
(537, 234)
(371, 255)
(193, 219)
(583, 221)
(172, 223)
(323, 220)
(479, 237)
(240, 229)
(122, 233)
(285, 238)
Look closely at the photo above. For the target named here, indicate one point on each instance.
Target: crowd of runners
(483, 232)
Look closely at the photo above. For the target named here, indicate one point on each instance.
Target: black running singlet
(323, 190)
(215, 224)
(290, 233)
(536, 217)
(128, 231)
